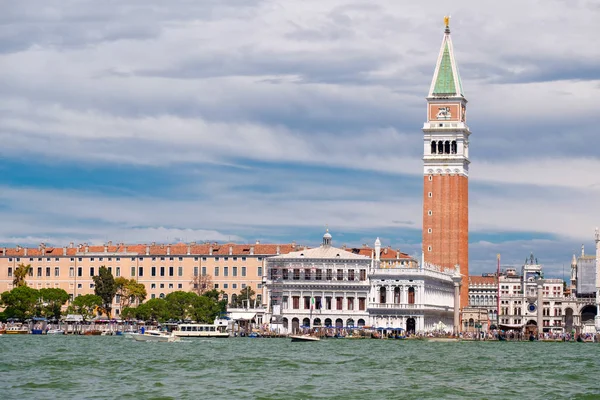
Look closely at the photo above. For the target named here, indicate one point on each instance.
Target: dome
(327, 235)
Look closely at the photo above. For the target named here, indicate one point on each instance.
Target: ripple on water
(78, 367)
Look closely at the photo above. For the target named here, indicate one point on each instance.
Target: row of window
(320, 303)
(234, 271)
(162, 271)
(18, 259)
(296, 274)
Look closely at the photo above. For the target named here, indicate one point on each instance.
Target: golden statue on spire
(447, 21)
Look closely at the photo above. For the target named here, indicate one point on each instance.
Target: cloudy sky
(147, 120)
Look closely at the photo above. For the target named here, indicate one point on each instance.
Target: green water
(106, 367)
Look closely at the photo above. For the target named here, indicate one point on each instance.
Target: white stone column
(540, 304)
(456, 279)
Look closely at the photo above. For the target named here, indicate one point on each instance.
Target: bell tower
(446, 169)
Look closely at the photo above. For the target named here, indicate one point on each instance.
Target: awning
(242, 316)
(510, 326)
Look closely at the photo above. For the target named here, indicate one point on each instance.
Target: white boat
(201, 330)
(17, 330)
(55, 332)
(155, 336)
(304, 338)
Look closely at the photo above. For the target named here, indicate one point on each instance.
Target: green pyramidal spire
(446, 79)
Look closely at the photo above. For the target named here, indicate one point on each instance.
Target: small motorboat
(155, 336)
(17, 330)
(55, 332)
(304, 338)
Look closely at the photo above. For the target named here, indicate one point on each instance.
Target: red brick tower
(446, 169)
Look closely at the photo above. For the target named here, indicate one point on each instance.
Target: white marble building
(415, 299)
(329, 286)
(321, 287)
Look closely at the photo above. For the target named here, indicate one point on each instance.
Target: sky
(242, 120)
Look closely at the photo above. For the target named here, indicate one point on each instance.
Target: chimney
(344, 246)
(64, 251)
(147, 250)
(106, 248)
(25, 251)
(87, 248)
(189, 249)
(110, 243)
(385, 250)
(153, 244)
(258, 242)
(230, 250)
(278, 250)
(124, 248)
(4, 251)
(251, 250)
(71, 245)
(398, 254)
(210, 250)
(18, 247)
(168, 249)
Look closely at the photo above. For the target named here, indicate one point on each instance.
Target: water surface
(106, 367)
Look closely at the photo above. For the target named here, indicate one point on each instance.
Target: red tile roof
(482, 280)
(156, 249)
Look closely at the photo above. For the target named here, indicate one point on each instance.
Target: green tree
(20, 302)
(205, 309)
(105, 288)
(85, 305)
(20, 273)
(180, 304)
(52, 300)
(129, 291)
(153, 309)
(244, 299)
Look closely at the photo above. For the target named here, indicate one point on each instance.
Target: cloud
(262, 119)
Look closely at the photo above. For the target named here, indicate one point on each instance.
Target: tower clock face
(531, 307)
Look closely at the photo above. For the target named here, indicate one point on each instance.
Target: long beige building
(162, 268)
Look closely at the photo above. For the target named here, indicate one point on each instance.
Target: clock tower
(446, 169)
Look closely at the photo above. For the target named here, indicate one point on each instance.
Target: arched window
(162, 296)
(411, 295)
(446, 147)
(433, 147)
(440, 147)
(233, 298)
(328, 322)
(225, 297)
(471, 322)
(382, 298)
(453, 147)
(396, 295)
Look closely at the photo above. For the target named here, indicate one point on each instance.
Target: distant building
(345, 287)
(583, 275)
(530, 302)
(483, 294)
(162, 268)
(321, 287)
